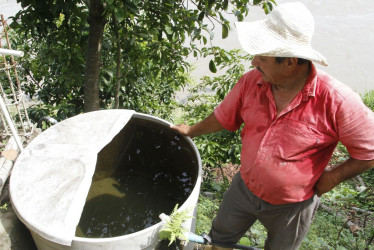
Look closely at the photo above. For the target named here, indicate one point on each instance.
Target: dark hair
(299, 60)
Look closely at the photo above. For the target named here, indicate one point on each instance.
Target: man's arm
(350, 168)
(206, 126)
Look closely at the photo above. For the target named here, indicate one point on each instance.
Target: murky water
(153, 170)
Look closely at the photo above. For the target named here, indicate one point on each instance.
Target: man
(293, 115)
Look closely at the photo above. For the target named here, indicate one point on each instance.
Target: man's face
(271, 70)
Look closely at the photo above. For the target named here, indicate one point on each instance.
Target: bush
(222, 147)
(368, 99)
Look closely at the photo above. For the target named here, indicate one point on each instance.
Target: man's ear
(290, 63)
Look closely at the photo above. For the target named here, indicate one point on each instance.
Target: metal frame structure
(14, 119)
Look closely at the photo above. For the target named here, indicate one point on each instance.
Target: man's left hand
(331, 178)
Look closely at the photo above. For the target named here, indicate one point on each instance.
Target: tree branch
(348, 224)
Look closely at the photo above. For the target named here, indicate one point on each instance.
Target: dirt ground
(13, 233)
(229, 170)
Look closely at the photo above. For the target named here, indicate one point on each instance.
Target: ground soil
(228, 170)
(13, 233)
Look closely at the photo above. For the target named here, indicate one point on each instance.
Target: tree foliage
(224, 146)
(138, 61)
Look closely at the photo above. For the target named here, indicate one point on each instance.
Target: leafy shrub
(368, 99)
(224, 146)
(206, 211)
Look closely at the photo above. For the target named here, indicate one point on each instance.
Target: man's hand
(331, 178)
(182, 129)
(206, 126)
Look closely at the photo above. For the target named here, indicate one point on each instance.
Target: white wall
(344, 34)
(9, 8)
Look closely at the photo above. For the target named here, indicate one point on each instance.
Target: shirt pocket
(297, 141)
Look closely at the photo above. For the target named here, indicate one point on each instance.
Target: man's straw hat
(286, 32)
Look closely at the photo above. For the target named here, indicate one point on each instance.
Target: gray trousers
(287, 224)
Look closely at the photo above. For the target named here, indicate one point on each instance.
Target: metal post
(10, 52)
(10, 124)
(2, 103)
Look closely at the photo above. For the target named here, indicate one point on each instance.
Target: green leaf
(245, 241)
(168, 30)
(212, 66)
(255, 2)
(225, 4)
(273, 1)
(60, 20)
(173, 228)
(201, 16)
(211, 2)
(239, 15)
(211, 33)
(270, 6)
(172, 239)
(265, 8)
(225, 31)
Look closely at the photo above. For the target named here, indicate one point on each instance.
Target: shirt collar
(309, 89)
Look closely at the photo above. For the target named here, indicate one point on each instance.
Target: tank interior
(144, 171)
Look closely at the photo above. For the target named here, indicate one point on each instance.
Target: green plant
(173, 229)
(4, 207)
(328, 232)
(245, 241)
(117, 54)
(206, 211)
(224, 146)
(257, 234)
(368, 99)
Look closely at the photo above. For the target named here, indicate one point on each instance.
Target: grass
(327, 230)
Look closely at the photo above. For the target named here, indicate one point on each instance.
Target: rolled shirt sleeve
(228, 112)
(355, 125)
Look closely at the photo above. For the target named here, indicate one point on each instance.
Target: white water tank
(52, 178)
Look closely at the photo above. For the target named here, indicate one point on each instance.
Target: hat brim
(256, 39)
